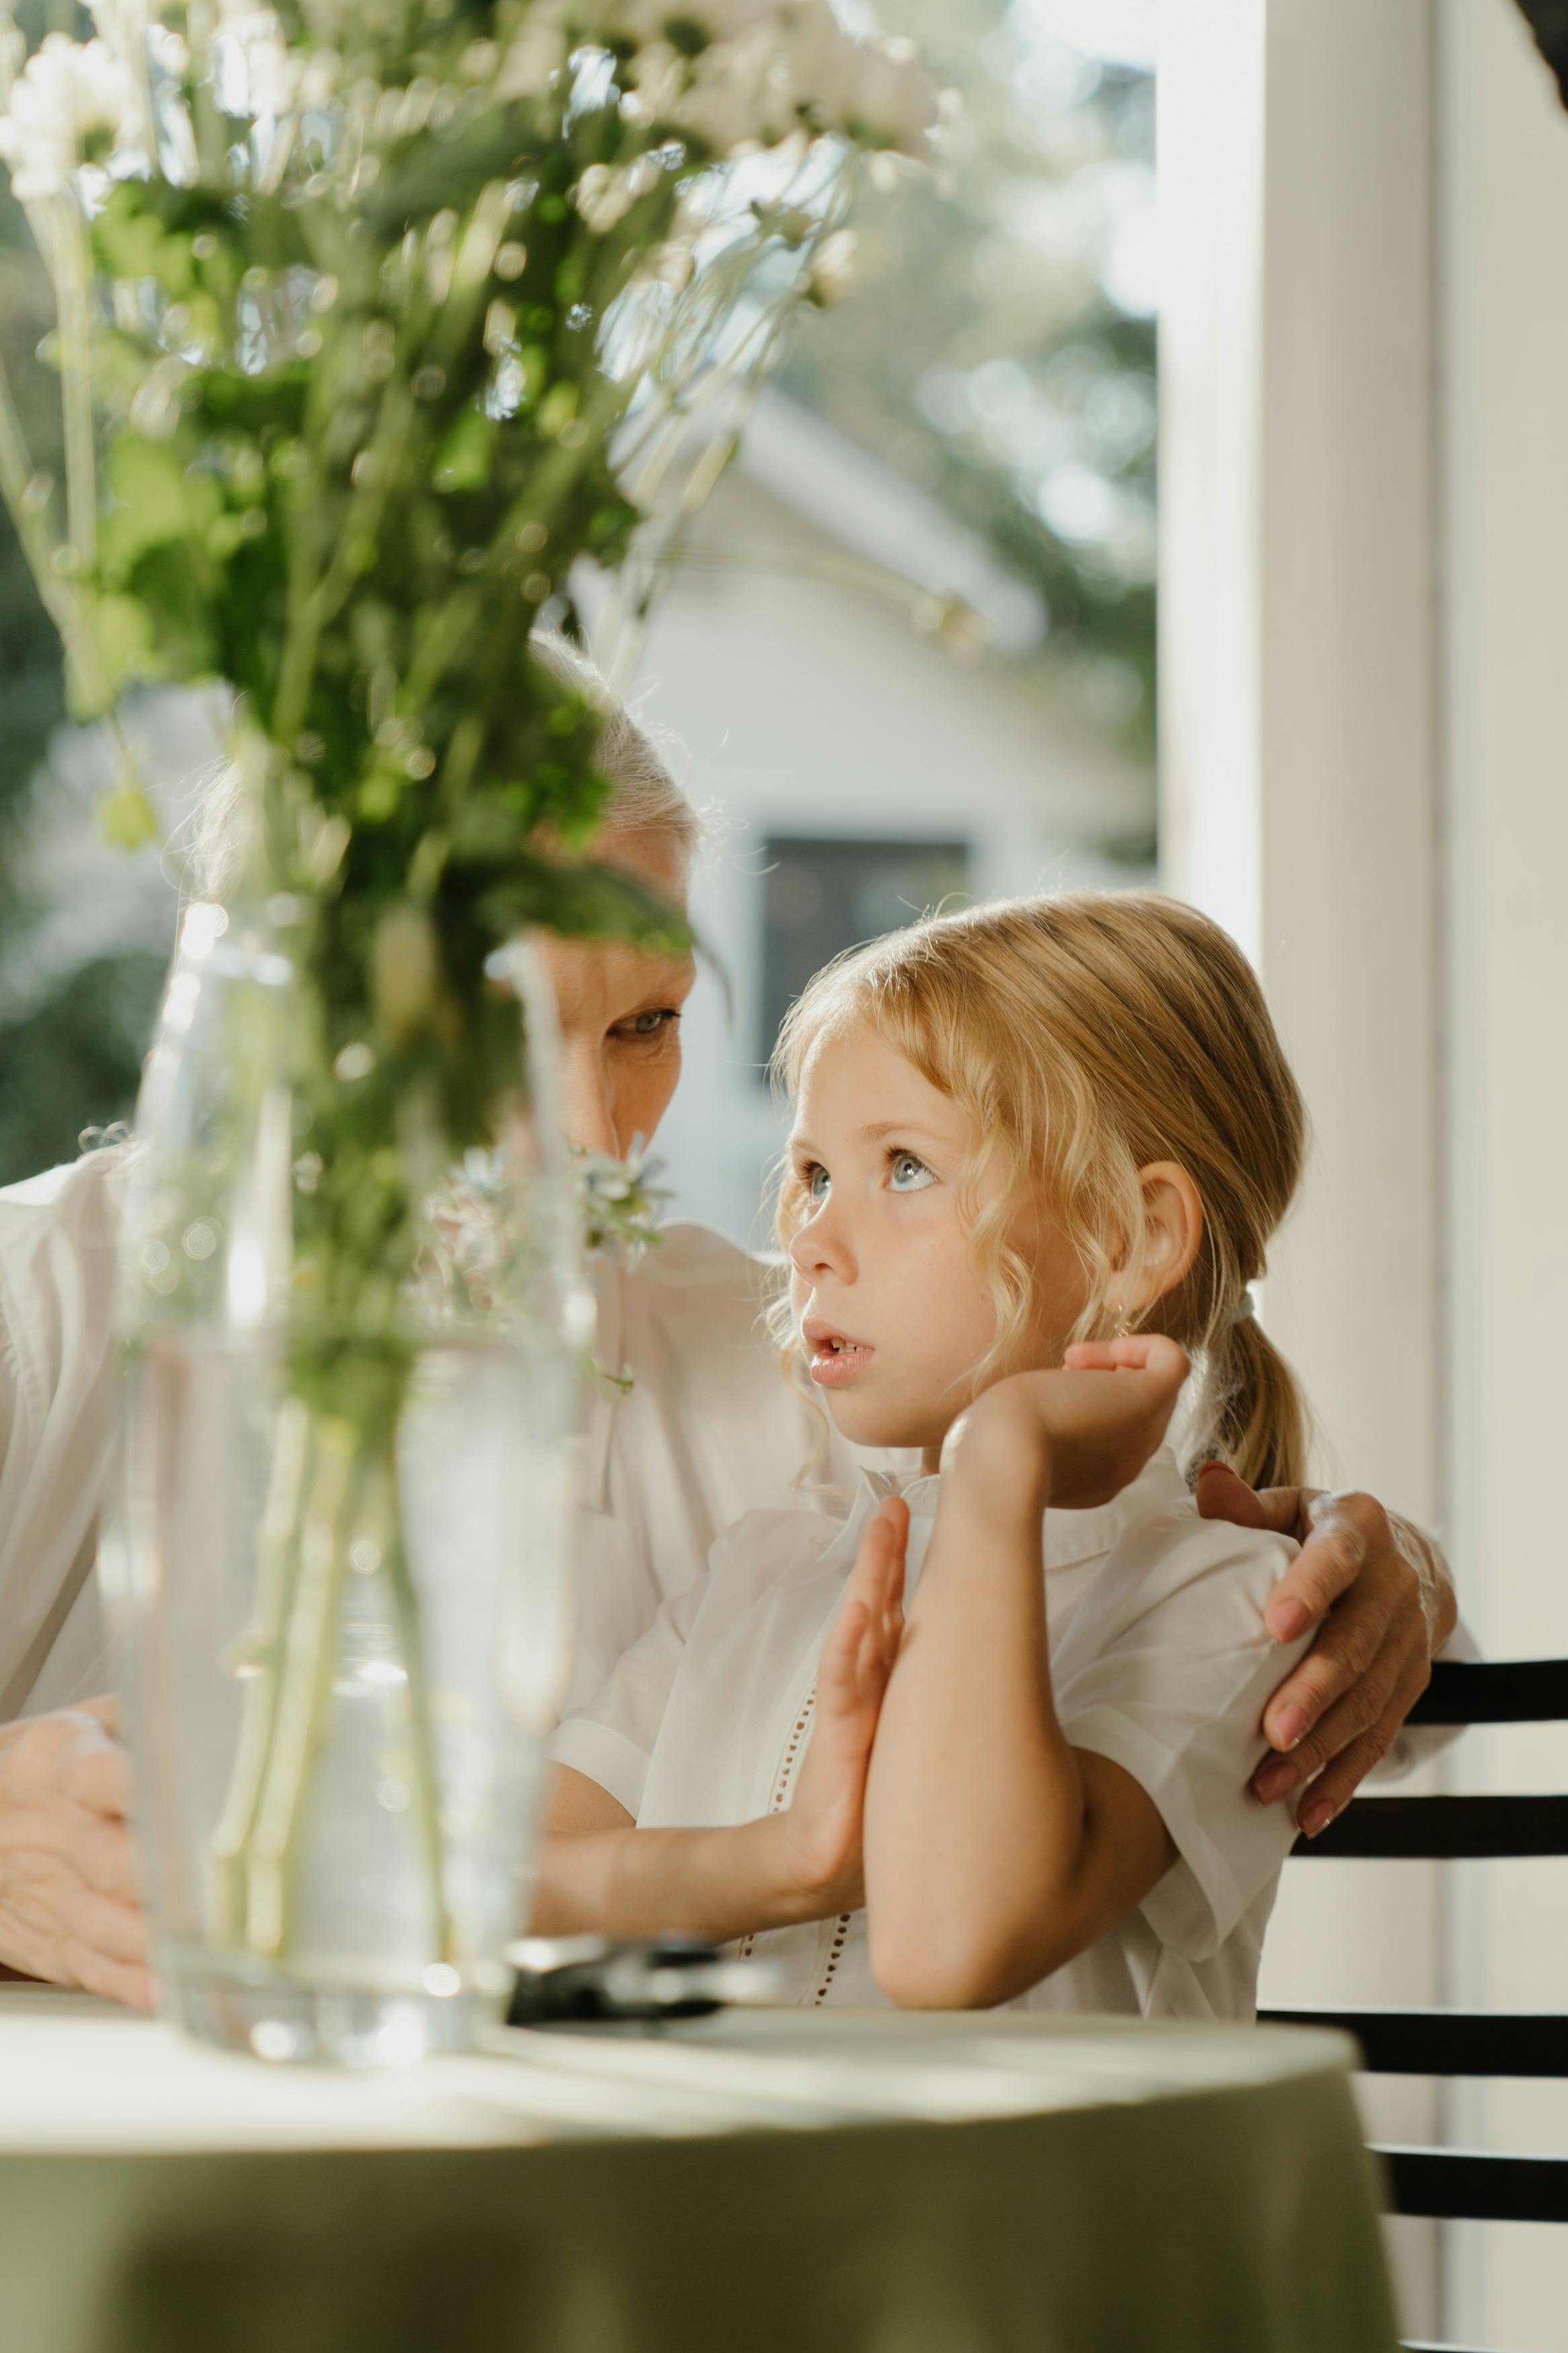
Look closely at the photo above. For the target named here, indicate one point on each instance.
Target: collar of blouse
(1070, 1537)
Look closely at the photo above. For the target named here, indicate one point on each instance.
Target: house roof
(862, 505)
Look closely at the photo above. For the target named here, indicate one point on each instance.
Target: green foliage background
(69, 1056)
(951, 283)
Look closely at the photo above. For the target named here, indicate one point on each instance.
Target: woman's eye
(655, 1023)
(814, 1180)
(909, 1174)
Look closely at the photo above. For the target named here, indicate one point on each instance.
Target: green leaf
(131, 242)
(463, 461)
(122, 631)
(125, 816)
(156, 501)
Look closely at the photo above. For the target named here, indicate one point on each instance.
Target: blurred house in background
(845, 670)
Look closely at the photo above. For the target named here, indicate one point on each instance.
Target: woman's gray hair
(646, 799)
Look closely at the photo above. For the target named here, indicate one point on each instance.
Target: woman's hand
(70, 1910)
(1385, 1608)
(823, 1825)
(1082, 1436)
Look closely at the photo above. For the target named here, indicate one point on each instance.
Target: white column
(1503, 145)
(1300, 786)
(1298, 794)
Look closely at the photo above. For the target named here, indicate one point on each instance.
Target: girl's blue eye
(817, 1182)
(909, 1174)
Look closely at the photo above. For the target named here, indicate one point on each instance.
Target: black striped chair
(1468, 2185)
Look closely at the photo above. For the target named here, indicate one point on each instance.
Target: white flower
(258, 74)
(716, 20)
(820, 57)
(657, 76)
(68, 92)
(833, 268)
(533, 63)
(732, 102)
(602, 197)
(620, 1202)
(891, 104)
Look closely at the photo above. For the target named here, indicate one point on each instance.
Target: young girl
(1038, 1151)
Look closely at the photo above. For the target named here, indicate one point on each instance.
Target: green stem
(212, 140)
(71, 274)
(260, 1658)
(426, 1785)
(309, 1655)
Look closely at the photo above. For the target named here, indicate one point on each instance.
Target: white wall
(1503, 145)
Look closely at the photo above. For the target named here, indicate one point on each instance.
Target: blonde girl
(1037, 1154)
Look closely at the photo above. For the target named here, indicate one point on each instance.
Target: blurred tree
(999, 349)
(71, 1041)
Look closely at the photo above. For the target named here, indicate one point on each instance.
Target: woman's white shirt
(1160, 1660)
(57, 1237)
(707, 1431)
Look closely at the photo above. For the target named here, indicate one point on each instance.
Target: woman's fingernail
(1316, 1817)
(1288, 1619)
(1291, 1727)
(1274, 1778)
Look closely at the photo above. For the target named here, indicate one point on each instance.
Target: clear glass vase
(338, 1561)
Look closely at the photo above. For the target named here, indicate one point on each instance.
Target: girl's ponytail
(1258, 1420)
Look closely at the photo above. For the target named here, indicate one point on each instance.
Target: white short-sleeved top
(1159, 1661)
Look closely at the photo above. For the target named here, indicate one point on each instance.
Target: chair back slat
(1443, 1829)
(1466, 2185)
(1445, 2041)
(1450, 2184)
(1495, 1691)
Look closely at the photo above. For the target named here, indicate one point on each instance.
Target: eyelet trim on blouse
(783, 1780)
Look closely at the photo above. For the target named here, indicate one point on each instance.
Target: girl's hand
(1076, 1435)
(823, 1825)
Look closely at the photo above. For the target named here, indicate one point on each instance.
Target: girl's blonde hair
(1086, 1036)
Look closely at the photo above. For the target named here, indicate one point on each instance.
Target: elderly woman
(695, 1444)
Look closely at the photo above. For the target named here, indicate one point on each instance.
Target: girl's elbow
(920, 1968)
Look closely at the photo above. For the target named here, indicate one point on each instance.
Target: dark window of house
(822, 896)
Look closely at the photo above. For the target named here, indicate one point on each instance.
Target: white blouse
(1159, 1659)
(56, 1282)
(707, 1431)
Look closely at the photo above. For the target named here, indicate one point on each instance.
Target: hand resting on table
(69, 1907)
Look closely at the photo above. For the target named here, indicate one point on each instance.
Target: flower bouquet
(381, 328)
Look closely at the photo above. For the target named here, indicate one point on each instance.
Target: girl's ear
(1172, 1228)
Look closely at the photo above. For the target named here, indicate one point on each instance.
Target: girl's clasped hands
(1074, 1438)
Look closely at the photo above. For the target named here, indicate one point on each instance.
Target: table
(813, 2182)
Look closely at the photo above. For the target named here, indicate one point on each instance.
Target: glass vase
(338, 1561)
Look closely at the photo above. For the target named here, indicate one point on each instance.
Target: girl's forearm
(717, 1883)
(974, 1807)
